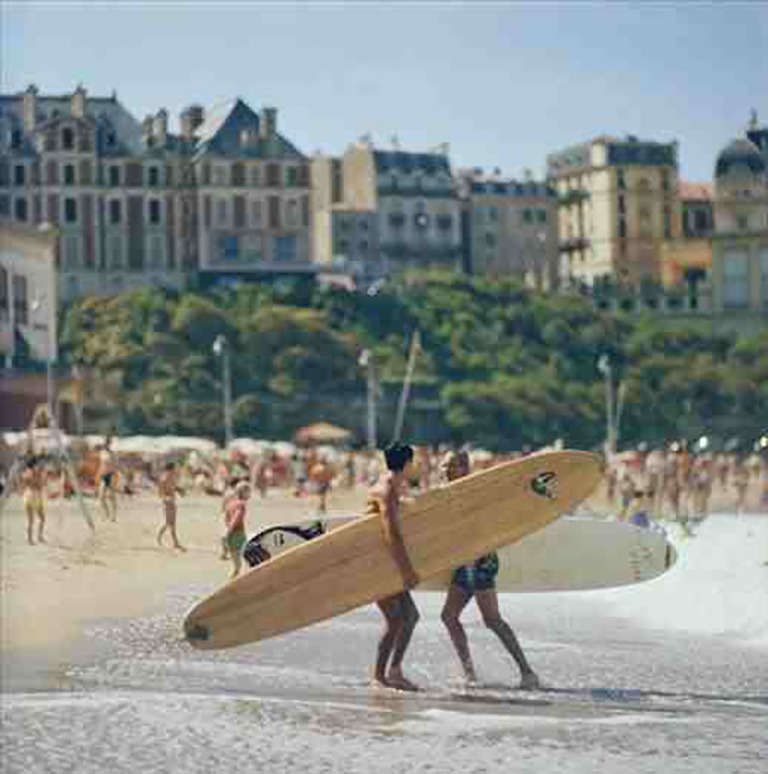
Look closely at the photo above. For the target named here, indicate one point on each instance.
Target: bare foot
(180, 548)
(396, 679)
(529, 682)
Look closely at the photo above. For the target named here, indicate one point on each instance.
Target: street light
(221, 349)
(604, 366)
(366, 361)
(38, 304)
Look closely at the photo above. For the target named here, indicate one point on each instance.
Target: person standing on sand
(166, 489)
(107, 478)
(399, 611)
(321, 475)
(478, 580)
(234, 519)
(33, 484)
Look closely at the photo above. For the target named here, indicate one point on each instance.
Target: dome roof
(737, 152)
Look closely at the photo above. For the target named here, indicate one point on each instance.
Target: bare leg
(160, 534)
(410, 617)
(236, 562)
(40, 524)
(30, 524)
(455, 603)
(488, 603)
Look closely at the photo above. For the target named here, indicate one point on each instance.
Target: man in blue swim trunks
(478, 580)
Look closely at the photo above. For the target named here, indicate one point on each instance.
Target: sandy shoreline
(51, 591)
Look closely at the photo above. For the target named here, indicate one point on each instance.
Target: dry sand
(50, 591)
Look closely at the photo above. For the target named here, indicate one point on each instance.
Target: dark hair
(170, 465)
(397, 456)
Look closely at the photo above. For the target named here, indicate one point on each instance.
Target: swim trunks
(478, 576)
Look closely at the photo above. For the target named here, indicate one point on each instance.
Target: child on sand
(33, 482)
(166, 489)
(234, 520)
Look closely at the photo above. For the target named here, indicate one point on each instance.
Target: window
(255, 177)
(621, 206)
(20, 300)
(735, 280)
(620, 182)
(20, 209)
(742, 222)
(153, 177)
(285, 249)
(70, 210)
(114, 211)
(667, 222)
(5, 205)
(527, 216)
(16, 137)
(490, 239)
(622, 228)
(664, 180)
(396, 219)
(19, 174)
(292, 176)
(69, 174)
(493, 214)
(251, 248)
(67, 139)
(541, 216)
(273, 175)
(154, 211)
(4, 294)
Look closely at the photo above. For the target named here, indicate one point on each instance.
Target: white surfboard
(571, 554)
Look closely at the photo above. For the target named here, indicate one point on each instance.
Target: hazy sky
(504, 83)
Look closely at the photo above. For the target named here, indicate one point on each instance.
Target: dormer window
(67, 139)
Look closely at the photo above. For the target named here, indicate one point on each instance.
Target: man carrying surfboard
(478, 580)
(399, 610)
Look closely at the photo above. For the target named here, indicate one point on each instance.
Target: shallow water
(636, 680)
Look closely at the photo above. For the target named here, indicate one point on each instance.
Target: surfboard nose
(195, 632)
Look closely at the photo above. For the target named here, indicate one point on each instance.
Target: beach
(668, 675)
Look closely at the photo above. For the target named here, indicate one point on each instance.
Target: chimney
(77, 105)
(191, 117)
(147, 127)
(160, 127)
(29, 107)
(268, 122)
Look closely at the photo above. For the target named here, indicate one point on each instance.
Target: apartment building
(618, 204)
(740, 238)
(404, 206)
(509, 226)
(137, 205)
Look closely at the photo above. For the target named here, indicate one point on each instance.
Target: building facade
(509, 227)
(137, 205)
(740, 238)
(401, 206)
(618, 204)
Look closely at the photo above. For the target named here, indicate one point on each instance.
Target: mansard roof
(222, 132)
(428, 163)
(109, 116)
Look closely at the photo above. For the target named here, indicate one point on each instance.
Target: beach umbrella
(322, 432)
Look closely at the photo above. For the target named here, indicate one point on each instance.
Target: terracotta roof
(694, 191)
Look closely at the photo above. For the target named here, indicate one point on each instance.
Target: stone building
(137, 205)
(618, 204)
(387, 210)
(509, 226)
(740, 238)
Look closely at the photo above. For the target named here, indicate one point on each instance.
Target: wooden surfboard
(352, 566)
(570, 554)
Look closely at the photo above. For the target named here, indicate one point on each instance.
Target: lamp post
(221, 349)
(38, 304)
(604, 366)
(366, 361)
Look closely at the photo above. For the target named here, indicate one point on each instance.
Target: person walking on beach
(107, 477)
(33, 485)
(321, 476)
(167, 487)
(399, 611)
(234, 520)
(478, 580)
